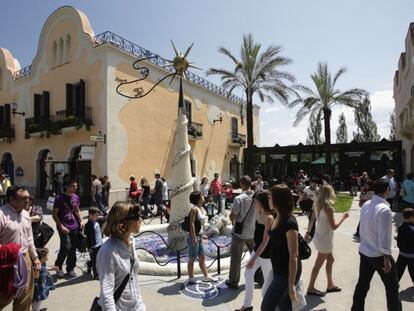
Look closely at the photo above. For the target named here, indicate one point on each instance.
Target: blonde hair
(144, 182)
(326, 197)
(115, 225)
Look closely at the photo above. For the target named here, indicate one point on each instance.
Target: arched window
(61, 51)
(67, 48)
(55, 54)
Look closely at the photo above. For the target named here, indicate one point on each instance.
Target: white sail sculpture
(182, 180)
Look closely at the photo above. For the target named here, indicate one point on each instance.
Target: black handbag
(82, 241)
(118, 293)
(238, 226)
(43, 235)
(304, 249)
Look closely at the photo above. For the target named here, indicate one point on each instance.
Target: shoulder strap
(248, 211)
(120, 289)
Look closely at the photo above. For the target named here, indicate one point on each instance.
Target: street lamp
(14, 110)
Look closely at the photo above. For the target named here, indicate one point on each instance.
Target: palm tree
(256, 74)
(320, 102)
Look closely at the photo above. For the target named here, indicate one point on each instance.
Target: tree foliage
(393, 131)
(314, 131)
(256, 72)
(342, 131)
(366, 127)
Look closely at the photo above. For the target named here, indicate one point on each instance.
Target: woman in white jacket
(117, 258)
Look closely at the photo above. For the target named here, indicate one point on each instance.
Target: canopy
(319, 161)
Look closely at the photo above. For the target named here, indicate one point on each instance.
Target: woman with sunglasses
(117, 259)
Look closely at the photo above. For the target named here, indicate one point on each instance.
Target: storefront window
(306, 157)
(381, 155)
(293, 158)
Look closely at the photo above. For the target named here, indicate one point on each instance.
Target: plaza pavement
(163, 293)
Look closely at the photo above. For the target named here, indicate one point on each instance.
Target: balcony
(34, 127)
(62, 121)
(195, 130)
(237, 140)
(7, 134)
(65, 120)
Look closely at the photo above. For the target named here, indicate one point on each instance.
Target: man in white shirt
(392, 186)
(375, 249)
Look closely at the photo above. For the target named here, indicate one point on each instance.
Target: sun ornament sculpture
(179, 65)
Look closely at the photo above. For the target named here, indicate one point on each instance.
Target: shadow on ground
(313, 302)
(67, 281)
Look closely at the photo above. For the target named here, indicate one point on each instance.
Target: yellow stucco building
(68, 95)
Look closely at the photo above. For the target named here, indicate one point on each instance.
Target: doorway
(7, 166)
(81, 171)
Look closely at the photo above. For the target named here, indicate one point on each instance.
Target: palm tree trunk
(327, 127)
(248, 163)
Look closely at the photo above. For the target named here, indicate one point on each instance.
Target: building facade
(284, 162)
(404, 101)
(68, 95)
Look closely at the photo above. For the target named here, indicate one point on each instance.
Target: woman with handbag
(325, 226)
(284, 253)
(42, 232)
(117, 261)
(260, 257)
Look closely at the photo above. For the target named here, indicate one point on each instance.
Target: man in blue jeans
(97, 194)
(66, 214)
(375, 249)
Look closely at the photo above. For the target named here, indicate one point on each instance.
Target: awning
(319, 161)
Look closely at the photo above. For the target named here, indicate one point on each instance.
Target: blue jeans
(217, 200)
(194, 251)
(277, 295)
(99, 204)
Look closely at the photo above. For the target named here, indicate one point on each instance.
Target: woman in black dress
(284, 253)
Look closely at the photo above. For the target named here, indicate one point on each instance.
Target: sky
(366, 37)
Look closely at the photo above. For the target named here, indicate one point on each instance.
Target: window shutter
(1, 116)
(188, 112)
(46, 106)
(234, 128)
(69, 99)
(7, 113)
(80, 100)
(37, 116)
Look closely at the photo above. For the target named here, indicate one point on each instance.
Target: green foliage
(314, 131)
(342, 131)
(366, 128)
(393, 130)
(324, 96)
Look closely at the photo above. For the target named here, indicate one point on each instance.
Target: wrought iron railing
(239, 139)
(35, 126)
(195, 130)
(7, 132)
(23, 72)
(179, 255)
(64, 119)
(138, 51)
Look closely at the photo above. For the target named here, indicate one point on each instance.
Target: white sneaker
(60, 274)
(72, 274)
(210, 279)
(192, 281)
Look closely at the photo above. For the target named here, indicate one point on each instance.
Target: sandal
(335, 289)
(315, 293)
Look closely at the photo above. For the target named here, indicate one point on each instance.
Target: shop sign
(19, 172)
(99, 138)
(87, 153)
(354, 154)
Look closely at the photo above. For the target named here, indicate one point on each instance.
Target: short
(195, 250)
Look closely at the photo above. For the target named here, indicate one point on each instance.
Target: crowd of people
(263, 221)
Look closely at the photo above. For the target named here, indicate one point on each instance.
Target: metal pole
(218, 260)
(178, 265)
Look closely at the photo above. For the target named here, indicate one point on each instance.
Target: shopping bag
(50, 203)
(300, 295)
